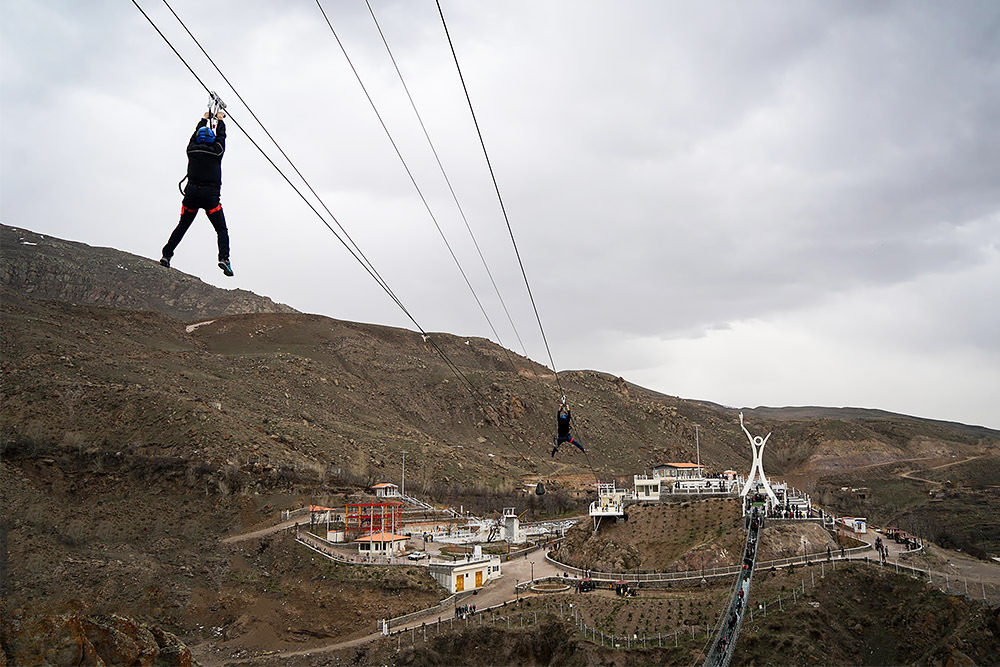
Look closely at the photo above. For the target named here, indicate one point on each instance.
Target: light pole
(516, 591)
(697, 447)
(402, 486)
(532, 571)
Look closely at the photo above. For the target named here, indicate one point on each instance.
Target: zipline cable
(371, 271)
(413, 180)
(510, 230)
(374, 273)
(496, 186)
(447, 180)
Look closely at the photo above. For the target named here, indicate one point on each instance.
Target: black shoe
(165, 261)
(226, 267)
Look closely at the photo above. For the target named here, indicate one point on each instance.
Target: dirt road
(909, 473)
(253, 535)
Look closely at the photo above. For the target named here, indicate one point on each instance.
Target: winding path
(909, 473)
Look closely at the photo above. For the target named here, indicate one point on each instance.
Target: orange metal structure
(368, 518)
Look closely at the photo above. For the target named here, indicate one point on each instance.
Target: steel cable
(370, 269)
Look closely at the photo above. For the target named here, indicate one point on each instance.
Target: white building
(646, 487)
(386, 490)
(855, 524)
(677, 470)
(381, 544)
(465, 575)
(512, 526)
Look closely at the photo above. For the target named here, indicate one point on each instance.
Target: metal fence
(288, 514)
(728, 571)
(511, 615)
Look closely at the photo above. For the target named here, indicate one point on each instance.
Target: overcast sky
(766, 203)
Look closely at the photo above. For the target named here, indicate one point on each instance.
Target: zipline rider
(204, 186)
(562, 429)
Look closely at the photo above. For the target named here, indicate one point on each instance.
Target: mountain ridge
(334, 394)
(52, 268)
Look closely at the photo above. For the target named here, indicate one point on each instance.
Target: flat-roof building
(465, 575)
(677, 470)
(381, 544)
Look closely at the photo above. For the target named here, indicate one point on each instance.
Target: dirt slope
(131, 445)
(660, 537)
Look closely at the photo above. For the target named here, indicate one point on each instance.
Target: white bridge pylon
(757, 469)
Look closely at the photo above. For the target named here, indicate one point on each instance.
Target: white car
(417, 555)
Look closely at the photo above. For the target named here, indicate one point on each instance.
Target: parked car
(417, 555)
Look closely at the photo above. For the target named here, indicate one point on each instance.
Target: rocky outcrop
(49, 268)
(78, 639)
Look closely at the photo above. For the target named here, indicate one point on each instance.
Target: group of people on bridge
(735, 611)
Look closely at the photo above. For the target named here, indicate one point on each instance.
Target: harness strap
(215, 210)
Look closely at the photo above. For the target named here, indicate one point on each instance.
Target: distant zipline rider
(562, 424)
(204, 183)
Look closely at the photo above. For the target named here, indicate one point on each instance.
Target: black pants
(196, 197)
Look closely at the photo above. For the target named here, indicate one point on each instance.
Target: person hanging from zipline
(204, 183)
(562, 424)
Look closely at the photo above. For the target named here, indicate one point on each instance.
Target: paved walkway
(253, 535)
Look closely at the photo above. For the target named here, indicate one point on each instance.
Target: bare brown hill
(131, 444)
(318, 394)
(660, 537)
(51, 268)
(859, 615)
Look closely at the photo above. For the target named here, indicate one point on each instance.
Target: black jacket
(562, 421)
(205, 160)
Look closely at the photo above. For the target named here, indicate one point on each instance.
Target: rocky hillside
(282, 389)
(660, 537)
(50, 268)
(81, 639)
(862, 616)
(131, 442)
